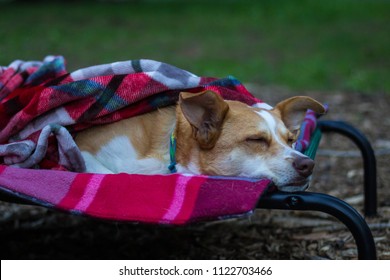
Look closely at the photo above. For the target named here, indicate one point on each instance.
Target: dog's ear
(293, 111)
(205, 111)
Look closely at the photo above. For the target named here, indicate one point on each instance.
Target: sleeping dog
(207, 135)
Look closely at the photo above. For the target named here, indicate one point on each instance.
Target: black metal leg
(369, 161)
(330, 205)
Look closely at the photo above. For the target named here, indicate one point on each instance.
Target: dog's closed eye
(258, 140)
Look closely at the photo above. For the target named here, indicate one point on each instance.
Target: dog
(211, 136)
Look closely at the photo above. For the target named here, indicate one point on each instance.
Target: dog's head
(230, 138)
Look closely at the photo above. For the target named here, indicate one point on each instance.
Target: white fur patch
(251, 166)
(271, 123)
(118, 156)
(262, 105)
(273, 126)
(93, 165)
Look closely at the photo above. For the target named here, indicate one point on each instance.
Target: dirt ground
(28, 232)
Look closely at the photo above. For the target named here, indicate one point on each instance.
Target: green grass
(320, 45)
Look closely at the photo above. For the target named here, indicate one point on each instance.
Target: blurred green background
(302, 45)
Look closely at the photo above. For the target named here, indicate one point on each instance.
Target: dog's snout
(304, 166)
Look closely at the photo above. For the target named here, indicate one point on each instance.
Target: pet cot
(42, 106)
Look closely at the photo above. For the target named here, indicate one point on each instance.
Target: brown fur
(149, 133)
(215, 136)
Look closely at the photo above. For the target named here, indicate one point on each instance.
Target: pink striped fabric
(167, 199)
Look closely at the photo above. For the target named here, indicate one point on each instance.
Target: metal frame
(332, 205)
(369, 160)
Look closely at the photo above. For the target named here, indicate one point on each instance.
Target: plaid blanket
(38, 100)
(42, 106)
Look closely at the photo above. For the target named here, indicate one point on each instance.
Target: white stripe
(270, 120)
(262, 105)
(90, 192)
(178, 199)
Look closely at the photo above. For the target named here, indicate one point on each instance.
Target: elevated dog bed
(42, 107)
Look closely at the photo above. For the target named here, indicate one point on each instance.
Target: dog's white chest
(119, 155)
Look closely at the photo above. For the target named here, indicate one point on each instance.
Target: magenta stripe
(90, 191)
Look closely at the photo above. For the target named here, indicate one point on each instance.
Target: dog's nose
(304, 166)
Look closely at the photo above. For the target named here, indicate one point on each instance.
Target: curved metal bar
(330, 205)
(369, 160)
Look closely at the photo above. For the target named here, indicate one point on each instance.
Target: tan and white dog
(213, 137)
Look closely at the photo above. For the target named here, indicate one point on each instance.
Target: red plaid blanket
(42, 106)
